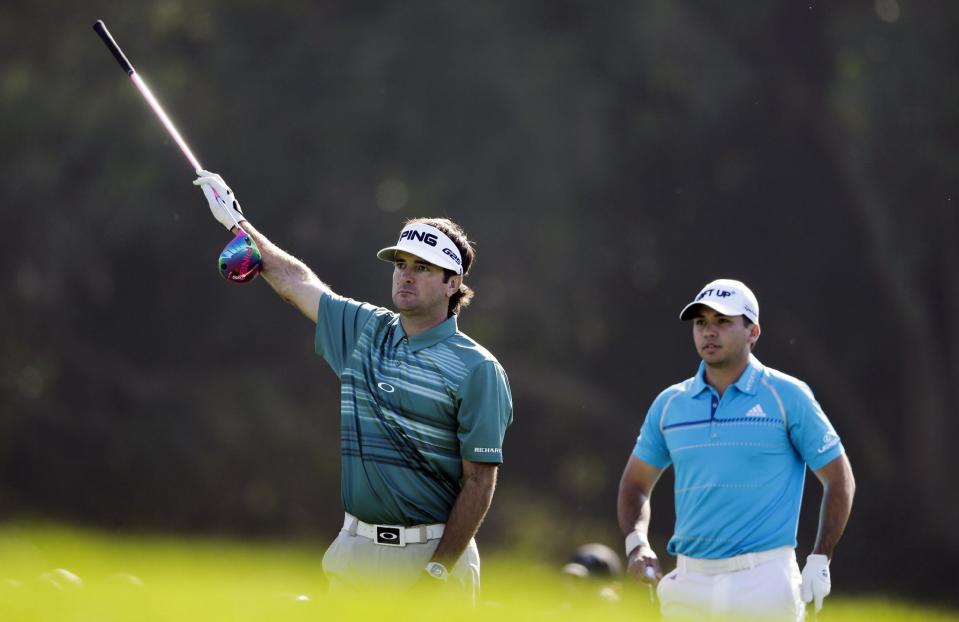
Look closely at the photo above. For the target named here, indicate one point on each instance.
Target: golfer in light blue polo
(739, 436)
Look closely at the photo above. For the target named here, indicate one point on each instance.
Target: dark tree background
(609, 158)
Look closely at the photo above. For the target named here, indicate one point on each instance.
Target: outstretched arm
(633, 512)
(288, 276)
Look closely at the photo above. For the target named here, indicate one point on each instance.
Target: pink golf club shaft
(165, 120)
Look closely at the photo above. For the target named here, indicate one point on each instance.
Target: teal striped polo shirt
(411, 409)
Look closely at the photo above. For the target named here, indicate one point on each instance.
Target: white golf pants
(354, 563)
(695, 590)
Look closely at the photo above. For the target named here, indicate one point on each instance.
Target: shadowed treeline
(609, 159)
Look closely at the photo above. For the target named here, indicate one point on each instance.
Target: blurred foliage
(608, 159)
(53, 574)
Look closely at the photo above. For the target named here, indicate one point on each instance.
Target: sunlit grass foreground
(53, 574)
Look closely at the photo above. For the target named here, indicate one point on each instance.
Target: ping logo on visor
(414, 235)
(428, 243)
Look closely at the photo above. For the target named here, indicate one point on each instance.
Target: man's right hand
(643, 565)
(222, 202)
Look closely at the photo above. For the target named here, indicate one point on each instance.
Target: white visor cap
(725, 296)
(428, 243)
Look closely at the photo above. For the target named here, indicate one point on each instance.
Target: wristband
(633, 540)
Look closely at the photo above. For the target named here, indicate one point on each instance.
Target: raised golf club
(240, 260)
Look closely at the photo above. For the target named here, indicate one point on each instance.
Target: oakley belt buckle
(388, 535)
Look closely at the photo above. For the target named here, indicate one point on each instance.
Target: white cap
(428, 243)
(728, 297)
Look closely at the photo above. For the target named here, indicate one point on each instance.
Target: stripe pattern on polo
(739, 460)
(411, 410)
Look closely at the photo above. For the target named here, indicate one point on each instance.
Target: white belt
(392, 535)
(733, 564)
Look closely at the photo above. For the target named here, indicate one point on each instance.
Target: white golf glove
(816, 583)
(223, 204)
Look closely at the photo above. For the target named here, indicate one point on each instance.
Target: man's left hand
(431, 582)
(816, 583)
(223, 203)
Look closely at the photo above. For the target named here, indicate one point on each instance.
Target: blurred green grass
(55, 573)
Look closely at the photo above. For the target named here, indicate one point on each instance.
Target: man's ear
(453, 285)
(754, 333)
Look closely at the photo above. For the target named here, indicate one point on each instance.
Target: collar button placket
(714, 406)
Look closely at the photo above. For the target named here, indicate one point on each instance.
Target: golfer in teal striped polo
(424, 408)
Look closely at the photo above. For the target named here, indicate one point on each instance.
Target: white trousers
(354, 564)
(768, 591)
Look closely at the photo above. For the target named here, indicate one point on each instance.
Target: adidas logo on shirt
(756, 411)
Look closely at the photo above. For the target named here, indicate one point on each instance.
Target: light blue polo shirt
(411, 410)
(740, 460)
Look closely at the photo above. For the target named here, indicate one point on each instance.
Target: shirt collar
(427, 338)
(699, 382)
(747, 380)
(750, 377)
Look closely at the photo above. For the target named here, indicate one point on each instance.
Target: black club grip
(101, 29)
